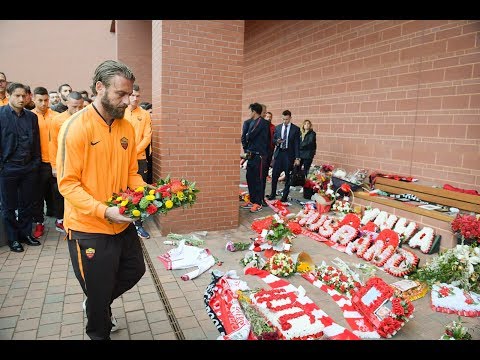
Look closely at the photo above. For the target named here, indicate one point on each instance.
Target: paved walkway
(40, 298)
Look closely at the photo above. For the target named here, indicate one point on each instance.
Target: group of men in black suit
(256, 142)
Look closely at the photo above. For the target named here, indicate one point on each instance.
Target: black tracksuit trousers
(106, 266)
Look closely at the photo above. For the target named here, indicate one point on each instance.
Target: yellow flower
(303, 267)
(124, 203)
(180, 195)
(136, 213)
(150, 197)
(168, 204)
(152, 192)
(190, 197)
(110, 199)
(119, 198)
(140, 189)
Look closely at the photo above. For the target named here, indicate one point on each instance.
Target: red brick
(473, 132)
(474, 101)
(452, 131)
(455, 102)
(459, 72)
(431, 103)
(468, 89)
(461, 43)
(435, 48)
(440, 35)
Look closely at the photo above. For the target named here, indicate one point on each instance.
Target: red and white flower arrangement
(281, 264)
(336, 279)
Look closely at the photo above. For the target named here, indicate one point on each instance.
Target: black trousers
(281, 163)
(255, 178)
(59, 201)
(43, 191)
(106, 266)
(17, 183)
(307, 163)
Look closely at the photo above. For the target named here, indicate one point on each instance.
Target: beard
(114, 111)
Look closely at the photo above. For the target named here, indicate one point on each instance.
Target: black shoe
(30, 240)
(264, 203)
(16, 246)
(284, 199)
(271, 197)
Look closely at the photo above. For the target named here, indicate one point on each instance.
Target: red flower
(345, 188)
(151, 209)
(122, 209)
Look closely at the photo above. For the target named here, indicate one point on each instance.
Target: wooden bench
(465, 202)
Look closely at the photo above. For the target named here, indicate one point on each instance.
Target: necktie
(284, 137)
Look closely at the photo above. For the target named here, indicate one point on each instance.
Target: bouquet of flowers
(278, 231)
(456, 331)
(143, 202)
(459, 266)
(137, 204)
(468, 227)
(281, 264)
(335, 278)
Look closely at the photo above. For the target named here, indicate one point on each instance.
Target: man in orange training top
(142, 123)
(96, 157)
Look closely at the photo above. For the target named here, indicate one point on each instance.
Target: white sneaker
(301, 190)
(113, 319)
(115, 326)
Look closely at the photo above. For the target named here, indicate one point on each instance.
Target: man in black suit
(255, 142)
(19, 162)
(286, 154)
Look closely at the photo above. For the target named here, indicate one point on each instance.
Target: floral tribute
(459, 266)
(259, 327)
(281, 264)
(292, 313)
(468, 227)
(453, 300)
(377, 302)
(336, 279)
(456, 331)
(277, 235)
(144, 202)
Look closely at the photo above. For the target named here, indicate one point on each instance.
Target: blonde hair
(302, 130)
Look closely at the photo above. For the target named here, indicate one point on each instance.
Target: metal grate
(168, 308)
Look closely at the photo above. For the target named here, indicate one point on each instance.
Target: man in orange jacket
(142, 123)
(96, 157)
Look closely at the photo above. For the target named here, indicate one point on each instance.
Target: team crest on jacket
(90, 252)
(139, 118)
(124, 142)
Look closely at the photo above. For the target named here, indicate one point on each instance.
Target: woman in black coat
(308, 145)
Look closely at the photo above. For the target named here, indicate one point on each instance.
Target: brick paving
(40, 297)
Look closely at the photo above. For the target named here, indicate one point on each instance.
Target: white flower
(278, 219)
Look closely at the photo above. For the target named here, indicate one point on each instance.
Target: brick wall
(393, 96)
(134, 48)
(197, 102)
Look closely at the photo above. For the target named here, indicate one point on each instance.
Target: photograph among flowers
(142, 202)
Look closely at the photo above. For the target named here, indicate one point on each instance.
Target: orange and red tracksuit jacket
(4, 101)
(142, 123)
(55, 125)
(94, 160)
(44, 122)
